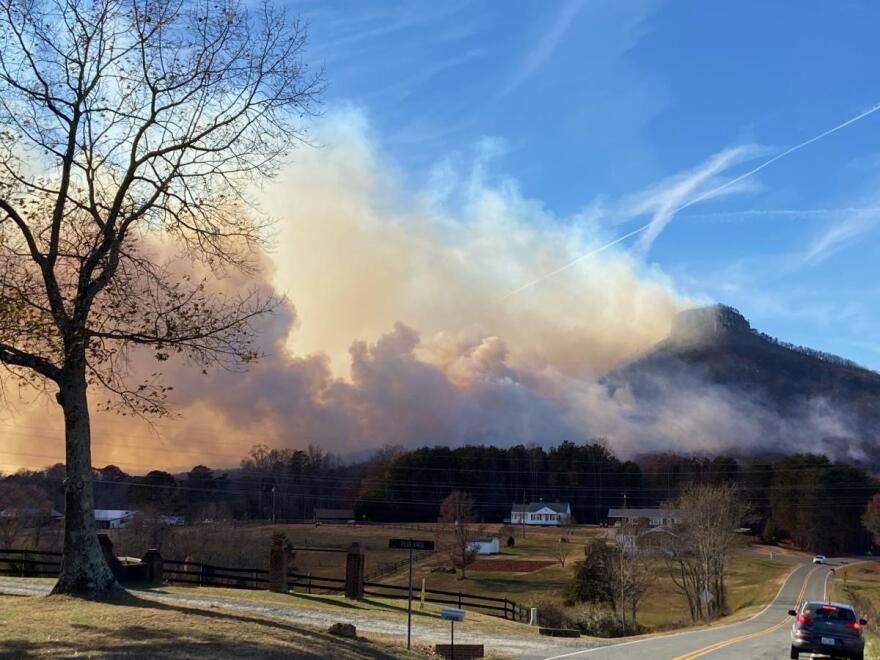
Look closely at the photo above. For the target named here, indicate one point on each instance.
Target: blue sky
(591, 103)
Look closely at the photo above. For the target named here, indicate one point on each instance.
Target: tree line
(814, 502)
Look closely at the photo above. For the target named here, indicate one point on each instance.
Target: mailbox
(452, 614)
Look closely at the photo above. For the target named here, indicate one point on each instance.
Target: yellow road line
(742, 638)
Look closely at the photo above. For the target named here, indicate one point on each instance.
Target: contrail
(698, 198)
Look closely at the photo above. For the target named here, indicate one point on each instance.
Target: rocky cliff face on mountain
(715, 348)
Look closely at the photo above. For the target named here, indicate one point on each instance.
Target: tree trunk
(84, 571)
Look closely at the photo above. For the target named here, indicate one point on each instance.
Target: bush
(552, 614)
(770, 534)
(600, 621)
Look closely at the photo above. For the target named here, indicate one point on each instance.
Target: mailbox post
(410, 544)
(452, 615)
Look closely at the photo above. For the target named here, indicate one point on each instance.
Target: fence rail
(503, 607)
(38, 563)
(29, 563)
(209, 575)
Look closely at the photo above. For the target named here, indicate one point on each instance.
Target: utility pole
(273, 503)
(409, 599)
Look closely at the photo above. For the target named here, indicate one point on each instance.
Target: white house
(485, 546)
(541, 513)
(654, 517)
(113, 518)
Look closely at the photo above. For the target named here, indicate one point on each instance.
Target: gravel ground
(530, 645)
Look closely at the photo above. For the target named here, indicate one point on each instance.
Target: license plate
(829, 641)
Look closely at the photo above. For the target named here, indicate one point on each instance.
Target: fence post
(310, 581)
(459, 600)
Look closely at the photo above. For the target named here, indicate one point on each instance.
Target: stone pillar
(110, 556)
(278, 555)
(152, 560)
(354, 572)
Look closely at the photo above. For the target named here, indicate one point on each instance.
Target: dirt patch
(510, 565)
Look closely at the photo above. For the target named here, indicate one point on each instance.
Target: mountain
(715, 348)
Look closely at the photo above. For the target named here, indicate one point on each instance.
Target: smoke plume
(397, 329)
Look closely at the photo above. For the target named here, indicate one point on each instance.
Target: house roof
(643, 513)
(340, 514)
(27, 512)
(112, 514)
(533, 507)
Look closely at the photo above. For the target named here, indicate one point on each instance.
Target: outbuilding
(113, 518)
(488, 545)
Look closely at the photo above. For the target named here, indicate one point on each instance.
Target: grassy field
(753, 579)
(752, 583)
(860, 586)
(33, 627)
(522, 587)
(248, 545)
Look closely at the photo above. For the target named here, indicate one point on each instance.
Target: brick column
(152, 560)
(278, 555)
(354, 572)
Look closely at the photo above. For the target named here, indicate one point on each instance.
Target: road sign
(410, 544)
(452, 614)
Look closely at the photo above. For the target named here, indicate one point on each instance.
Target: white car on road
(820, 559)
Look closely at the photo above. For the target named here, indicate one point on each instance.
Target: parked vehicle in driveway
(829, 629)
(820, 559)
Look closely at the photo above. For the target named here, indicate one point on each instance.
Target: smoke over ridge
(397, 330)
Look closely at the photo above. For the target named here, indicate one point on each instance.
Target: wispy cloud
(662, 202)
(745, 214)
(671, 196)
(840, 235)
(543, 50)
(843, 233)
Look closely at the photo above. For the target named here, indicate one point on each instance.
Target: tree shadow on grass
(195, 641)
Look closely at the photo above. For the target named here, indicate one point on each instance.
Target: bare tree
(697, 550)
(22, 507)
(560, 550)
(457, 529)
(635, 571)
(126, 124)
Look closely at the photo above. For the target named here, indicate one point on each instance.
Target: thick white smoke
(399, 329)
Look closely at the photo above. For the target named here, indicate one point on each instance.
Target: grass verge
(133, 627)
(859, 585)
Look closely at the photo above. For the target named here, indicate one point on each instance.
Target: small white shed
(485, 546)
(113, 518)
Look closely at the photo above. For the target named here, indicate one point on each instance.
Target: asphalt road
(764, 636)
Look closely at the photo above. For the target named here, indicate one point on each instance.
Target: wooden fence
(29, 563)
(501, 607)
(38, 563)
